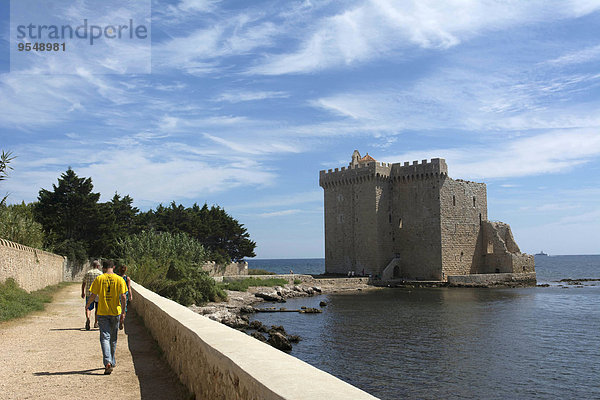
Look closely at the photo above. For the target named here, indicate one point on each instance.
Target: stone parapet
(32, 269)
(218, 362)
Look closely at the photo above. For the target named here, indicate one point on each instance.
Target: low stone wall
(232, 269)
(31, 268)
(289, 277)
(75, 270)
(507, 279)
(217, 362)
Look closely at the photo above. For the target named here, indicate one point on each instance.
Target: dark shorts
(91, 307)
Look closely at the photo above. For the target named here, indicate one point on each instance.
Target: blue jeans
(109, 328)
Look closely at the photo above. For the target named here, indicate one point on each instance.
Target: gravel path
(49, 355)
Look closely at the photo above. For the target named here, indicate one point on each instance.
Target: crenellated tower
(408, 221)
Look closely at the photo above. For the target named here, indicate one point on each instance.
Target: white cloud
(184, 10)
(250, 145)
(279, 213)
(553, 152)
(149, 175)
(589, 54)
(239, 96)
(28, 101)
(274, 201)
(377, 28)
(473, 99)
(203, 50)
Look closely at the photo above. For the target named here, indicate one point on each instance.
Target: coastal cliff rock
(259, 336)
(270, 297)
(279, 341)
(230, 319)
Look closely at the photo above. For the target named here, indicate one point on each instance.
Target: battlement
(416, 170)
(359, 172)
(355, 173)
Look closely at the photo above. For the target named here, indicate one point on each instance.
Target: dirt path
(49, 355)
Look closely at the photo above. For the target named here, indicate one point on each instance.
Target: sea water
(456, 343)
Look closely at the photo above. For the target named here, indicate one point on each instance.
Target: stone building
(412, 221)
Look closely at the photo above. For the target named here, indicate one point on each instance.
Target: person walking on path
(128, 293)
(110, 289)
(88, 278)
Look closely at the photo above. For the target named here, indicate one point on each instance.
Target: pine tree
(70, 215)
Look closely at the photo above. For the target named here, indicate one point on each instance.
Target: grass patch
(244, 284)
(297, 281)
(258, 271)
(16, 302)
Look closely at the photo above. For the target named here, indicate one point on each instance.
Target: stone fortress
(414, 222)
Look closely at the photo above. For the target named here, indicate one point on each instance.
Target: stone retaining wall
(507, 279)
(234, 268)
(289, 277)
(31, 268)
(217, 362)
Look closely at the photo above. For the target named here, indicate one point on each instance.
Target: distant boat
(541, 254)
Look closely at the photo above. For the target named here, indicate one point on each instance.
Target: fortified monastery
(414, 222)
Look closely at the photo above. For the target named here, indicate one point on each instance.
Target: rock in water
(247, 310)
(227, 318)
(323, 303)
(255, 325)
(279, 341)
(259, 336)
(270, 297)
(294, 338)
(277, 328)
(311, 311)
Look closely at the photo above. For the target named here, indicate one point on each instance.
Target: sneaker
(87, 325)
(95, 324)
(108, 369)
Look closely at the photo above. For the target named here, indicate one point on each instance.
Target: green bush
(258, 271)
(170, 265)
(244, 284)
(162, 247)
(17, 224)
(16, 302)
(297, 281)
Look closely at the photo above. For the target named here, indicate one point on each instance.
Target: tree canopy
(225, 238)
(78, 226)
(70, 215)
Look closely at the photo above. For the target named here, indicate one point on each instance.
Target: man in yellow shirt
(110, 289)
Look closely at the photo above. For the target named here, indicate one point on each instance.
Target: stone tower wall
(412, 221)
(463, 206)
(415, 227)
(352, 203)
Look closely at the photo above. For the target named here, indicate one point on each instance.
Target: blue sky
(247, 101)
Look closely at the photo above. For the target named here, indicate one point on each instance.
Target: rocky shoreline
(236, 311)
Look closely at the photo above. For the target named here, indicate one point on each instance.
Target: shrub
(244, 284)
(170, 265)
(16, 302)
(18, 225)
(258, 271)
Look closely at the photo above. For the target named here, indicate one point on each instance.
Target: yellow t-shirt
(109, 288)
